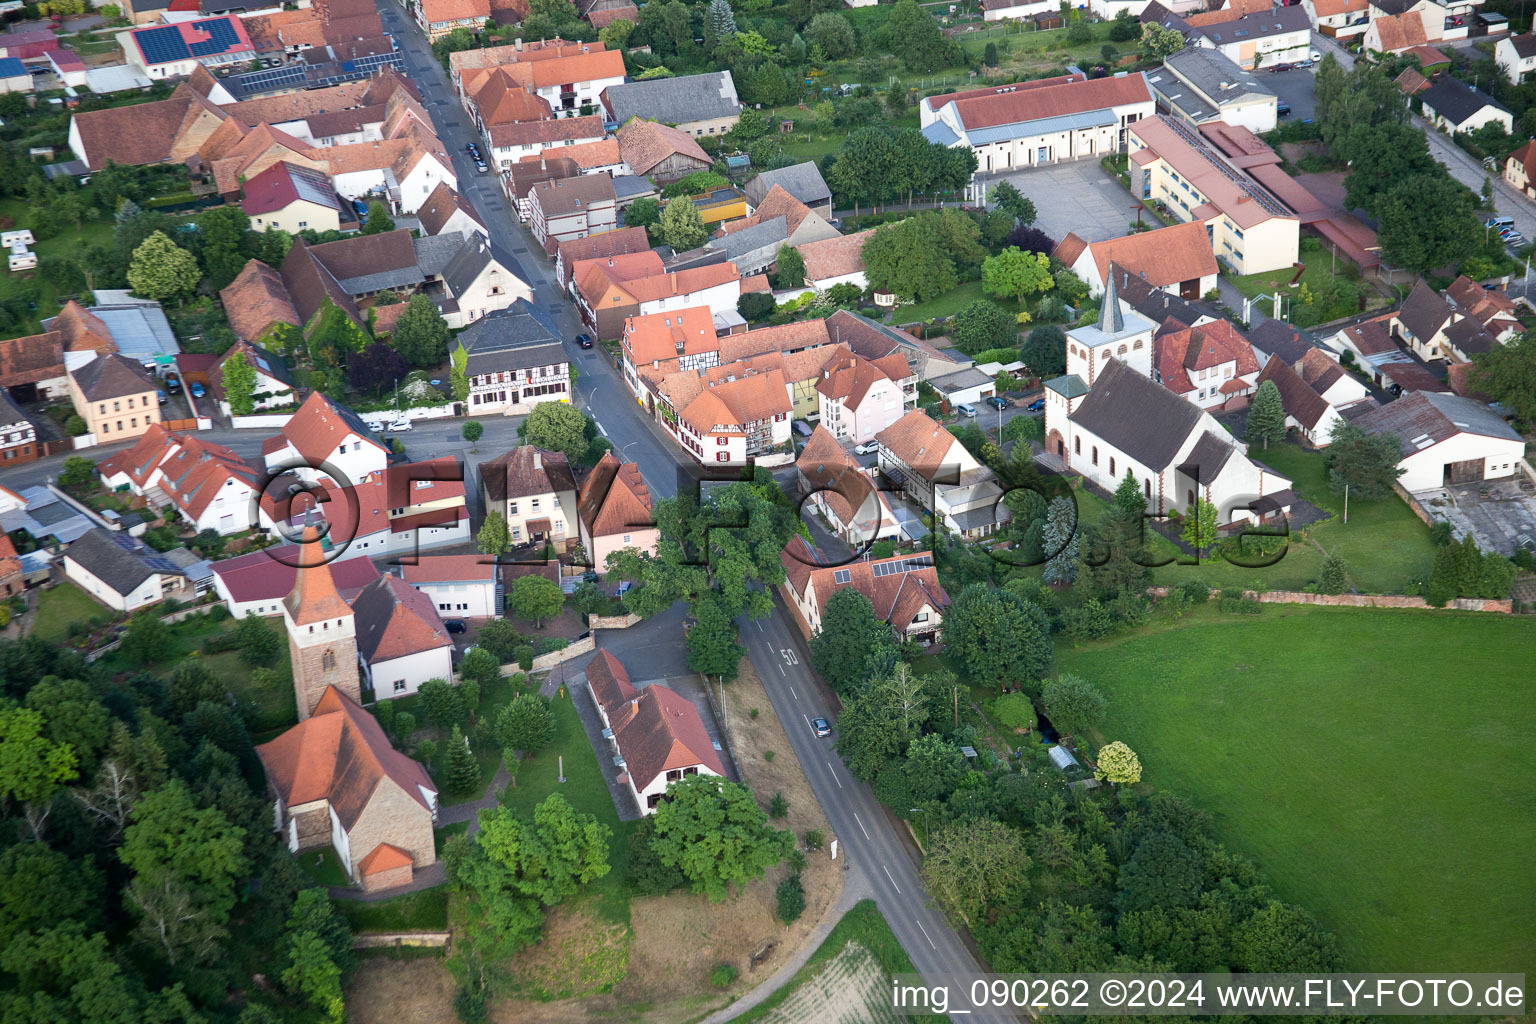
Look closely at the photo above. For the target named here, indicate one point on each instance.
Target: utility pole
(1346, 502)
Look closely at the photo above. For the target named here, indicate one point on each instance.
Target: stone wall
(612, 621)
(389, 879)
(1462, 604)
(392, 816)
(1413, 505)
(585, 645)
(374, 940)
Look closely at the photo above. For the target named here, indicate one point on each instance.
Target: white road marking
(893, 880)
(759, 626)
(834, 775)
(600, 429)
(861, 825)
(793, 694)
(781, 670)
(807, 721)
(930, 941)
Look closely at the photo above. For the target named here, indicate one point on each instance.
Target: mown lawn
(68, 242)
(948, 304)
(426, 910)
(1321, 268)
(587, 791)
(60, 605)
(1373, 763)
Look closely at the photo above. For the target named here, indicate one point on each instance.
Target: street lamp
(914, 810)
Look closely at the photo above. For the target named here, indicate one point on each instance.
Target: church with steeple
(322, 633)
(1122, 334)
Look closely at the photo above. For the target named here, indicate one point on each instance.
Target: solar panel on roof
(162, 45)
(222, 33)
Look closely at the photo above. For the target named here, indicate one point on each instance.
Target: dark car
(584, 340)
(173, 385)
(163, 397)
(1282, 110)
(1036, 405)
(998, 402)
(197, 390)
(469, 147)
(821, 726)
(455, 625)
(1283, 67)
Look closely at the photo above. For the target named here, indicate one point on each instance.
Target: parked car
(198, 391)
(968, 411)
(867, 448)
(480, 166)
(470, 147)
(821, 726)
(173, 384)
(1036, 405)
(1282, 110)
(803, 428)
(1283, 67)
(1315, 56)
(998, 402)
(1499, 222)
(455, 625)
(584, 340)
(400, 426)
(163, 397)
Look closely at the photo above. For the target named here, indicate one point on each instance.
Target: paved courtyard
(1079, 197)
(1501, 519)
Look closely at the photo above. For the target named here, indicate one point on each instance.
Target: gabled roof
(1424, 312)
(1400, 31)
(675, 100)
(1424, 418)
(1302, 403)
(384, 858)
(1047, 98)
(733, 404)
(441, 206)
(81, 330)
(776, 203)
(918, 441)
(271, 573)
(256, 300)
(898, 587)
(559, 130)
(1280, 340)
(283, 184)
(341, 755)
(621, 242)
(663, 733)
(1162, 256)
(835, 257)
(1177, 353)
(850, 378)
(1456, 101)
(320, 426)
(658, 337)
(195, 471)
(111, 376)
(429, 569)
(614, 499)
(1525, 156)
(1152, 301)
(1136, 415)
(309, 284)
(118, 560)
(395, 620)
(803, 181)
(826, 467)
(572, 195)
(610, 682)
(526, 470)
(644, 144)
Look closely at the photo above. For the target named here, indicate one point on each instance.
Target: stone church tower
(322, 637)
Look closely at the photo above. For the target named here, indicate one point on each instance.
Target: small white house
(1516, 56)
(116, 570)
(1455, 106)
(401, 641)
(1447, 439)
(459, 586)
(970, 386)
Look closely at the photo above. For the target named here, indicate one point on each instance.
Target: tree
(1122, 29)
(458, 377)
(1158, 42)
(1074, 704)
(982, 325)
(840, 648)
(1266, 416)
(1427, 221)
(907, 258)
(77, 472)
(1200, 524)
(184, 862)
(714, 832)
(220, 243)
(526, 724)
(1118, 763)
(148, 639)
(558, 427)
(833, 34)
(259, 643)
(462, 770)
(913, 35)
(1130, 504)
(1278, 938)
(378, 220)
(238, 378)
(682, 225)
(971, 865)
(791, 268)
(989, 55)
(1015, 274)
(1058, 541)
(1507, 374)
(1333, 579)
(421, 335)
(997, 636)
(1014, 711)
(494, 538)
(536, 598)
(312, 972)
(1366, 464)
(790, 899)
(376, 368)
(480, 667)
(644, 212)
(756, 307)
(334, 337)
(40, 887)
(713, 646)
(1011, 201)
(440, 703)
(1032, 239)
(161, 270)
(864, 168)
(1380, 155)
(721, 22)
(32, 767)
(473, 431)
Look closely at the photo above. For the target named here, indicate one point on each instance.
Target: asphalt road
(871, 840)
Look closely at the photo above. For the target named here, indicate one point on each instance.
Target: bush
(74, 426)
(813, 839)
(1014, 711)
(525, 657)
(1079, 33)
(550, 644)
(722, 976)
(470, 1005)
(1240, 605)
(791, 899)
(778, 807)
(1197, 592)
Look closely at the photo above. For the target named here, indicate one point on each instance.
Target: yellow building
(115, 397)
(721, 205)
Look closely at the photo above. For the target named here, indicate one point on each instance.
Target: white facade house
(140, 594)
(401, 640)
(1516, 56)
(1447, 439)
(459, 586)
(119, 571)
(256, 582)
(1455, 106)
(857, 398)
(324, 438)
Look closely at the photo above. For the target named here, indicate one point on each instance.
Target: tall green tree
(1074, 705)
(1015, 274)
(713, 645)
(1266, 416)
(378, 220)
(1427, 221)
(558, 427)
(525, 723)
(1507, 374)
(849, 631)
(791, 267)
(864, 167)
(983, 325)
(972, 865)
(536, 598)
(1160, 43)
(913, 35)
(421, 335)
(1380, 155)
(32, 768)
(714, 832)
(161, 270)
(238, 378)
(221, 241)
(333, 336)
(997, 637)
(682, 225)
(1006, 197)
(1059, 541)
(461, 769)
(1045, 351)
(1366, 464)
(908, 259)
(1200, 524)
(494, 537)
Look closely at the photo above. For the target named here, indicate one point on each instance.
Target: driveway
(1499, 514)
(1079, 197)
(1294, 87)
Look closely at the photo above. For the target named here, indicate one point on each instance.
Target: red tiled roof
(450, 569)
(1161, 257)
(610, 682)
(256, 300)
(314, 596)
(269, 574)
(1186, 349)
(647, 143)
(395, 620)
(317, 429)
(834, 257)
(896, 597)
(1054, 100)
(614, 499)
(384, 858)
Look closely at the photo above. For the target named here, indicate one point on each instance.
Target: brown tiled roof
(1320, 370)
(1302, 404)
(614, 499)
(314, 597)
(610, 683)
(10, 564)
(609, 243)
(647, 143)
(81, 330)
(417, 483)
(197, 471)
(436, 11)
(1178, 352)
(1525, 156)
(1162, 256)
(385, 317)
(384, 858)
(1329, 8)
(143, 133)
(601, 19)
(1400, 31)
(570, 194)
(1371, 337)
(1055, 100)
(835, 257)
(599, 276)
(450, 569)
(738, 402)
(569, 68)
(665, 733)
(529, 171)
(111, 376)
(502, 99)
(526, 470)
(664, 336)
(560, 129)
(682, 282)
(1070, 248)
(340, 755)
(441, 205)
(896, 596)
(827, 467)
(587, 155)
(777, 203)
(360, 255)
(256, 300)
(309, 284)
(917, 441)
(1411, 82)
(851, 377)
(395, 620)
(318, 428)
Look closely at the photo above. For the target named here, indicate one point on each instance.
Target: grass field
(67, 242)
(58, 606)
(426, 910)
(585, 789)
(1374, 764)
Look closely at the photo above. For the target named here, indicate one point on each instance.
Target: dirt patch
(578, 956)
(850, 989)
(402, 992)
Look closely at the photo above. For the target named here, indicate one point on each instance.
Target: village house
(661, 153)
(255, 583)
(256, 302)
(1257, 40)
(446, 212)
(210, 486)
(834, 485)
(571, 208)
(858, 397)
(732, 419)
(1213, 367)
(325, 438)
(34, 367)
(1198, 85)
(536, 492)
(1435, 327)
(274, 387)
(611, 290)
(696, 104)
(1454, 106)
(509, 144)
(1037, 123)
(519, 178)
(1520, 169)
(1338, 19)
(1177, 259)
(1516, 56)
(401, 641)
(904, 589)
(513, 362)
(926, 463)
(613, 508)
(801, 224)
(459, 586)
(287, 197)
(802, 181)
(115, 397)
(175, 50)
(122, 572)
(835, 261)
(18, 436)
(438, 18)
(1446, 439)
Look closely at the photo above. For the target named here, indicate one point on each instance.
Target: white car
(867, 448)
(400, 426)
(1314, 56)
